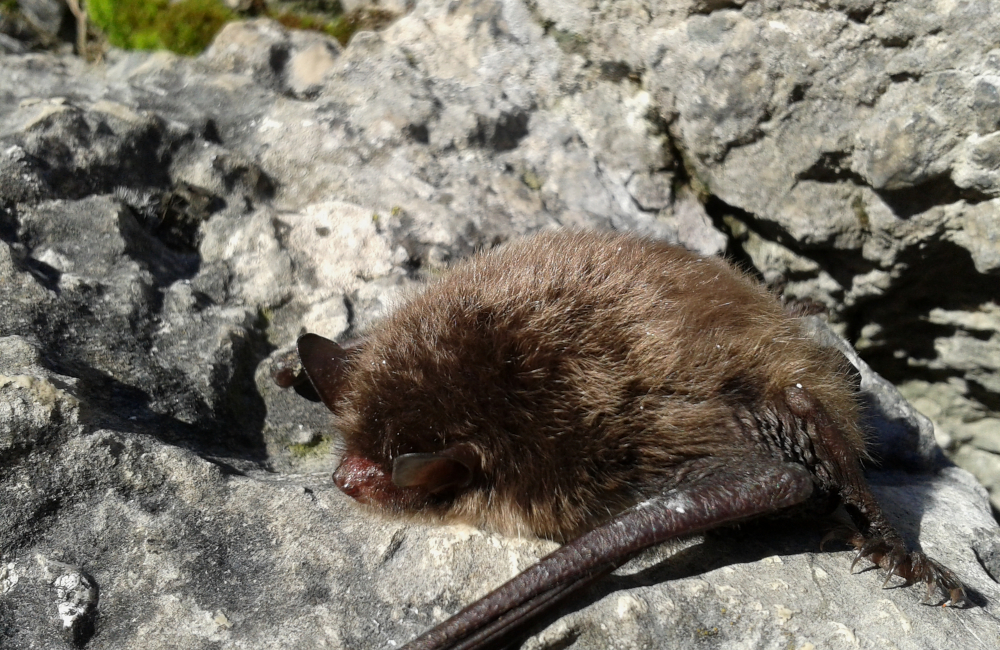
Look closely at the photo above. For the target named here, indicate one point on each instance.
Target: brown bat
(603, 390)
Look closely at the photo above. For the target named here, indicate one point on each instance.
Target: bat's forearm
(718, 497)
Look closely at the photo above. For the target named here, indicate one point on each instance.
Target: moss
(299, 21)
(319, 446)
(126, 23)
(185, 27)
(8, 7)
(340, 27)
(188, 26)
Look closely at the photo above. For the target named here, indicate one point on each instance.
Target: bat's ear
(452, 468)
(326, 363)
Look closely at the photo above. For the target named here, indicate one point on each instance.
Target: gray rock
(10, 45)
(293, 62)
(167, 225)
(48, 16)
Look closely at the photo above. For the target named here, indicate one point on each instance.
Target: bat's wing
(713, 496)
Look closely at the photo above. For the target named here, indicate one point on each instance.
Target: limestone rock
(168, 225)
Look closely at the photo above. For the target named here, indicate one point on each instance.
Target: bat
(606, 391)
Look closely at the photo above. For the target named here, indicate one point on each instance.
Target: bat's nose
(356, 476)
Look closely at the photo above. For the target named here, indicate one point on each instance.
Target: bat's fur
(583, 372)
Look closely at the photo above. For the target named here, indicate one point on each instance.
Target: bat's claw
(891, 554)
(879, 551)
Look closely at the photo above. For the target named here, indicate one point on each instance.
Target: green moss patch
(321, 446)
(188, 26)
(340, 27)
(185, 27)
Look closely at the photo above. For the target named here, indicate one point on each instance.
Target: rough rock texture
(166, 224)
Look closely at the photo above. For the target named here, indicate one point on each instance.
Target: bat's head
(421, 432)
(453, 418)
(375, 468)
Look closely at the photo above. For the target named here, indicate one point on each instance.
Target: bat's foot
(891, 554)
